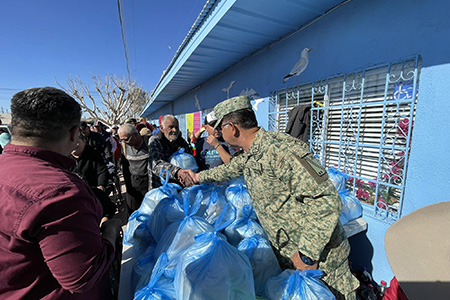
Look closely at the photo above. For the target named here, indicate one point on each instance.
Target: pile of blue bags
(205, 242)
(351, 206)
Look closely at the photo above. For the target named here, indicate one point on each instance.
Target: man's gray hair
(163, 120)
(128, 129)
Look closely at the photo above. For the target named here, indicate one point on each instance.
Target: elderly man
(51, 246)
(295, 201)
(162, 145)
(135, 155)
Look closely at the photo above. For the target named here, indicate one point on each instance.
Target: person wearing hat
(296, 203)
(110, 143)
(212, 151)
(418, 250)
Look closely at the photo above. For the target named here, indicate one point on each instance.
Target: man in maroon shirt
(51, 246)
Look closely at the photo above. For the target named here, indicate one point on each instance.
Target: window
(361, 123)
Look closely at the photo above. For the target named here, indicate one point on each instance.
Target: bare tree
(118, 98)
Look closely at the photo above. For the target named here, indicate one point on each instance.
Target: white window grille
(361, 123)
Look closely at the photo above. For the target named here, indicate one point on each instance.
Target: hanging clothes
(299, 122)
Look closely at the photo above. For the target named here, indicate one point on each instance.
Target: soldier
(296, 203)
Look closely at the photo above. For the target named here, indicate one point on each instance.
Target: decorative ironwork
(361, 122)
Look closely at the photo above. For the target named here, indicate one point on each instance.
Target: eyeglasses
(127, 140)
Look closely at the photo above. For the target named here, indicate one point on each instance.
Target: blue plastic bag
(298, 285)
(338, 178)
(183, 160)
(213, 269)
(215, 206)
(137, 233)
(263, 260)
(180, 235)
(167, 211)
(205, 189)
(141, 273)
(244, 227)
(351, 207)
(154, 196)
(238, 196)
(159, 287)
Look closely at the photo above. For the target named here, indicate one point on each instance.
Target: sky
(44, 41)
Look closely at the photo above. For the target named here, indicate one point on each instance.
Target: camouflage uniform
(295, 202)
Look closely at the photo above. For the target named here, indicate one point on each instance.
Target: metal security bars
(361, 123)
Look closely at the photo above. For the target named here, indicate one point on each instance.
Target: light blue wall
(356, 35)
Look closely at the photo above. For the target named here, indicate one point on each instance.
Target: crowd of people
(59, 226)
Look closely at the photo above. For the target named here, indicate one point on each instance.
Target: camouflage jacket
(296, 203)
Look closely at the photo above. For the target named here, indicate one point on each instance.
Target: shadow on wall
(361, 252)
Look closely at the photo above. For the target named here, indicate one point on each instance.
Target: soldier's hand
(185, 178)
(300, 265)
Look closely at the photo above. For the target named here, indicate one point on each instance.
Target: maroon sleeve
(66, 225)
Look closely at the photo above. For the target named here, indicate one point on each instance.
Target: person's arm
(199, 132)
(157, 160)
(223, 153)
(69, 237)
(316, 199)
(223, 172)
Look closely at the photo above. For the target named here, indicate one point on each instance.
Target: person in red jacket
(51, 245)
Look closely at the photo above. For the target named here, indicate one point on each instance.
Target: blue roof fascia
(207, 24)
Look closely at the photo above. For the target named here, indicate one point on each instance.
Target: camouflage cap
(230, 105)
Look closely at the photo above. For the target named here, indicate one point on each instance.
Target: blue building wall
(359, 34)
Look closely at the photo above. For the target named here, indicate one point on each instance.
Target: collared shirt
(50, 241)
(295, 201)
(160, 151)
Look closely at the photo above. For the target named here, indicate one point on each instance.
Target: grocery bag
(141, 272)
(244, 227)
(238, 196)
(137, 233)
(337, 178)
(213, 269)
(159, 287)
(180, 235)
(183, 160)
(298, 285)
(167, 211)
(154, 196)
(262, 259)
(351, 207)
